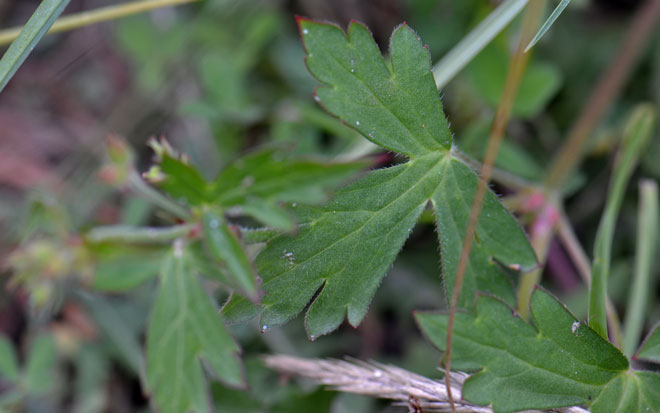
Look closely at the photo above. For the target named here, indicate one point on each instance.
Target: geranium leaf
(559, 362)
(184, 331)
(344, 249)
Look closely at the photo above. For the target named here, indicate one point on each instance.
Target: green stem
(88, 18)
(647, 238)
(636, 136)
(141, 188)
(130, 234)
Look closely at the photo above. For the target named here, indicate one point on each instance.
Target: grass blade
(647, 241)
(636, 135)
(548, 23)
(34, 30)
(475, 41)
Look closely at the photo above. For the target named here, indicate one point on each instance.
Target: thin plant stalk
(645, 253)
(636, 135)
(136, 184)
(514, 78)
(605, 92)
(138, 235)
(87, 18)
(463, 53)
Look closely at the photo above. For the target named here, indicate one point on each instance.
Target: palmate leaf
(184, 331)
(561, 362)
(344, 249)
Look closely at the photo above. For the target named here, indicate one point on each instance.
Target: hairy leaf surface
(344, 249)
(184, 331)
(559, 362)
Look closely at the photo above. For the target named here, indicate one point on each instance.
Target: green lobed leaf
(184, 331)
(559, 362)
(344, 249)
(8, 360)
(225, 247)
(398, 109)
(650, 348)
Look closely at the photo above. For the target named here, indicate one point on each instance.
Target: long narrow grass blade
(647, 242)
(548, 23)
(475, 41)
(34, 30)
(636, 136)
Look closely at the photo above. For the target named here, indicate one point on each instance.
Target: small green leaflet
(650, 348)
(184, 331)
(560, 362)
(344, 249)
(226, 248)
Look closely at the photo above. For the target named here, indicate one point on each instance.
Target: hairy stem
(129, 234)
(514, 78)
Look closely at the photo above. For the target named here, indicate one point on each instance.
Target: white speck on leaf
(289, 256)
(317, 98)
(575, 326)
(305, 31)
(357, 123)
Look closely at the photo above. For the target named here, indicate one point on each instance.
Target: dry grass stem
(418, 393)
